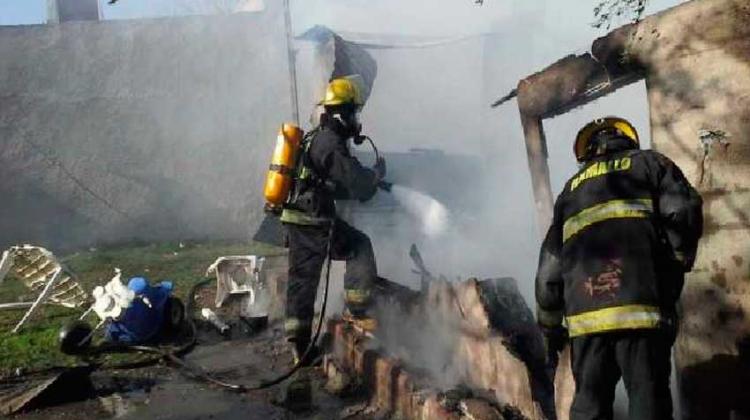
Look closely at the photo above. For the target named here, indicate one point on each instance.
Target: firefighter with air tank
(624, 232)
(307, 176)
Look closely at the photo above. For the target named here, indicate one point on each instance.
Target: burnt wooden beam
(536, 152)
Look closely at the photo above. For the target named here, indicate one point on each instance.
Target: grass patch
(35, 346)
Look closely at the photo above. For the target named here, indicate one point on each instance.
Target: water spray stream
(432, 214)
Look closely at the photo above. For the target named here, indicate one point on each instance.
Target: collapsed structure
(462, 350)
(695, 59)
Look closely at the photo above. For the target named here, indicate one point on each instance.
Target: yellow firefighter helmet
(344, 91)
(621, 126)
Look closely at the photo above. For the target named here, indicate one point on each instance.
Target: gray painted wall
(72, 10)
(171, 121)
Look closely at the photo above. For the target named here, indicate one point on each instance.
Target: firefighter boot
(360, 321)
(358, 302)
(299, 347)
(298, 393)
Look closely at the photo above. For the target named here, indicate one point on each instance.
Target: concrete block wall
(698, 77)
(695, 59)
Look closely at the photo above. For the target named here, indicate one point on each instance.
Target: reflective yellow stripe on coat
(292, 324)
(611, 319)
(613, 209)
(297, 217)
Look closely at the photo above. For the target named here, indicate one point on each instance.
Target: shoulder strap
(304, 168)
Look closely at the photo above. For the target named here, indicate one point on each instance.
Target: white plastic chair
(240, 275)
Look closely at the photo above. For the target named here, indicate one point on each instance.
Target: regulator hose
(384, 185)
(372, 144)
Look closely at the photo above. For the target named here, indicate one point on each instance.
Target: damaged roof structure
(695, 60)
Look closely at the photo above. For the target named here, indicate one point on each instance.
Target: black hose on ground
(126, 348)
(174, 355)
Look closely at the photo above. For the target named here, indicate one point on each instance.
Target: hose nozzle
(385, 186)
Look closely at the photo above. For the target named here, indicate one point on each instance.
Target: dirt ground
(164, 392)
(161, 392)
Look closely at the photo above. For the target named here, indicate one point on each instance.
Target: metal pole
(292, 61)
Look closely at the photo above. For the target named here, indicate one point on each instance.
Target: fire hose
(174, 355)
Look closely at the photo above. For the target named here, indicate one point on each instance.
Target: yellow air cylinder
(281, 172)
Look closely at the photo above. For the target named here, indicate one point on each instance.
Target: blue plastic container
(141, 323)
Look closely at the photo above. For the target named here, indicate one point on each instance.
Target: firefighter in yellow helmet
(327, 172)
(624, 232)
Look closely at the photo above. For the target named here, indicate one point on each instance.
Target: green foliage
(607, 10)
(35, 346)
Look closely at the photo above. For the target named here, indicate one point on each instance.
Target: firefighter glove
(554, 340)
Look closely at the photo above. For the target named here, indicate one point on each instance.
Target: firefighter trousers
(641, 357)
(308, 246)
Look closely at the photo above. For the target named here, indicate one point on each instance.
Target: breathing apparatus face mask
(350, 121)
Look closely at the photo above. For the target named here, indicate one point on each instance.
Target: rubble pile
(453, 346)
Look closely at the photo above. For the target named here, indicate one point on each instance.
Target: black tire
(174, 315)
(75, 337)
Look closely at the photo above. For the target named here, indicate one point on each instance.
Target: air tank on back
(281, 171)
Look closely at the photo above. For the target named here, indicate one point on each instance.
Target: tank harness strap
(282, 169)
(297, 217)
